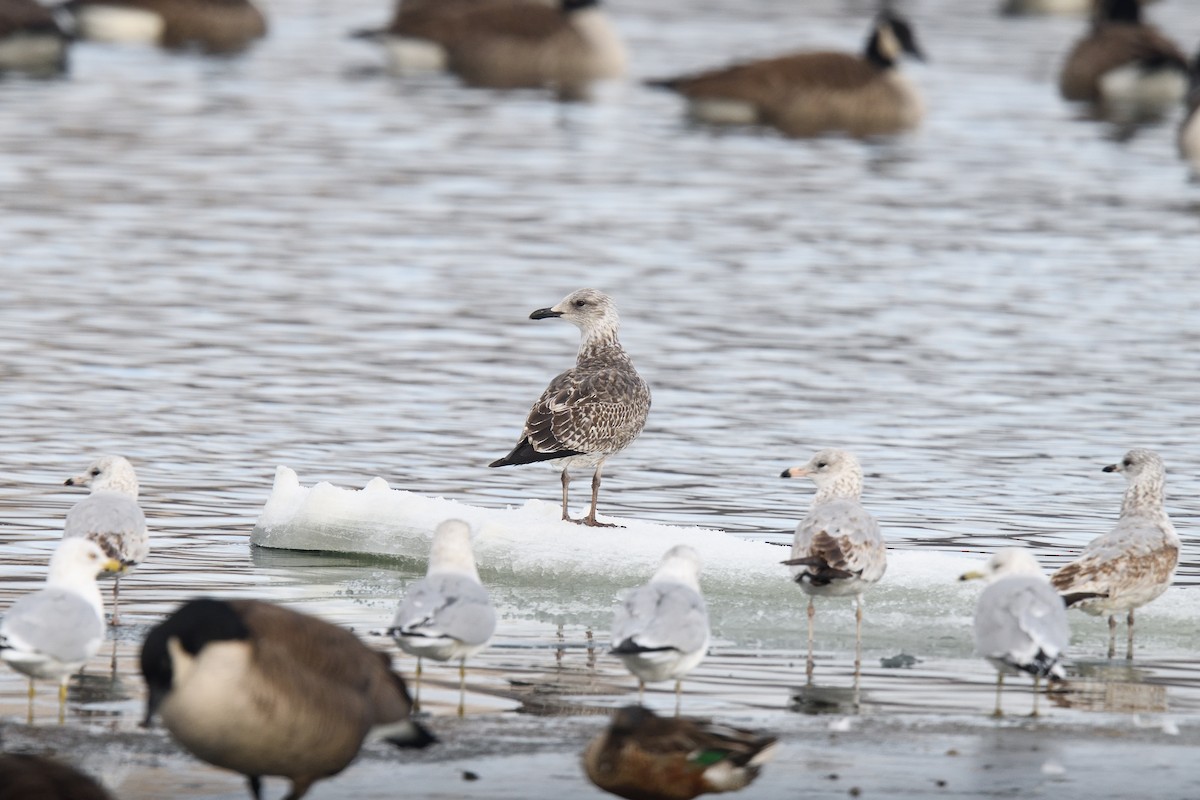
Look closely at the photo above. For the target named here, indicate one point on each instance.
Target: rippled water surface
(219, 266)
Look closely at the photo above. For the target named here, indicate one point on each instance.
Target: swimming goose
(447, 615)
(31, 39)
(643, 756)
(1134, 562)
(837, 549)
(1020, 620)
(110, 516)
(51, 633)
(263, 690)
(807, 94)
(213, 26)
(1124, 65)
(593, 410)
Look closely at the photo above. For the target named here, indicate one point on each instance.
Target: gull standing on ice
(447, 614)
(838, 549)
(593, 410)
(660, 630)
(260, 689)
(51, 633)
(1134, 562)
(110, 516)
(1020, 621)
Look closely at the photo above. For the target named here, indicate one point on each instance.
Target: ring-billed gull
(263, 690)
(643, 756)
(1134, 562)
(447, 614)
(24, 776)
(838, 549)
(1020, 621)
(110, 516)
(51, 633)
(660, 629)
(593, 410)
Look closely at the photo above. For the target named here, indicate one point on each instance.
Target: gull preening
(838, 549)
(660, 629)
(1134, 562)
(446, 615)
(1020, 621)
(260, 689)
(51, 633)
(110, 516)
(593, 410)
(647, 757)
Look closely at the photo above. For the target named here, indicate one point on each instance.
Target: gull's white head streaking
(590, 310)
(836, 473)
(108, 474)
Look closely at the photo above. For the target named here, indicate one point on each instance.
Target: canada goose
(592, 411)
(1134, 562)
(807, 94)
(447, 615)
(509, 45)
(1124, 64)
(24, 776)
(51, 633)
(660, 629)
(643, 756)
(110, 516)
(838, 550)
(262, 690)
(1020, 621)
(1189, 129)
(213, 26)
(31, 39)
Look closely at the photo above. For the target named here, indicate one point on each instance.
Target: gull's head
(108, 473)
(1140, 466)
(588, 309)
(78, 560)
(451, 549)
(1009, 561)
(829, 469)
(680, 564)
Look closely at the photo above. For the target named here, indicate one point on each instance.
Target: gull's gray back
(55, 621)
(662, 614)
(1019, 615)
(448, 605)
(111, 519)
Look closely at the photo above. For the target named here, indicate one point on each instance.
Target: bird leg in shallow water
(116, 615)
(1037, 680)
(590, 519)
(678, 695)
(1129, 646)
(858, 614)
(999, 688)
(29, 717)
(462, 687)
(62, 699)
(641, 691)
(1112, 636)
(417, 688)
(808, 663)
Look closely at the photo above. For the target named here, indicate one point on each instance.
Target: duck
(642, 756)
(210, 26)
(32, 39)
(814, 93)
(1123, 65)
(263, 690)
(26, 776)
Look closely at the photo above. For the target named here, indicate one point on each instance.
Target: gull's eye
(580, 303)
(822, 464)
(95, 472)
(1128, 462)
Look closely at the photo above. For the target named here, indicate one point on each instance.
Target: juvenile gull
(1134, 562)
(1020, 621)
(643, 756)
(593, 410)
(447, 614)
(660, 630)
(50, 634)
(110, 516)
(838, 549)
(263, 690)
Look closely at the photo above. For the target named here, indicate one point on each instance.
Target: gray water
(218, 266)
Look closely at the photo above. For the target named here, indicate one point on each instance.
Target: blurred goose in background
(24, 776)
(1189, 129)
(1020, 620)
(1020, 7)
(643, 756)
(1134, 562)
(808, 94)
(31, 39)
(50, 634)
(110, 517)
(1123, 65)
(447, 615)
(211, 26)
(262, 690)
(838, 549)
